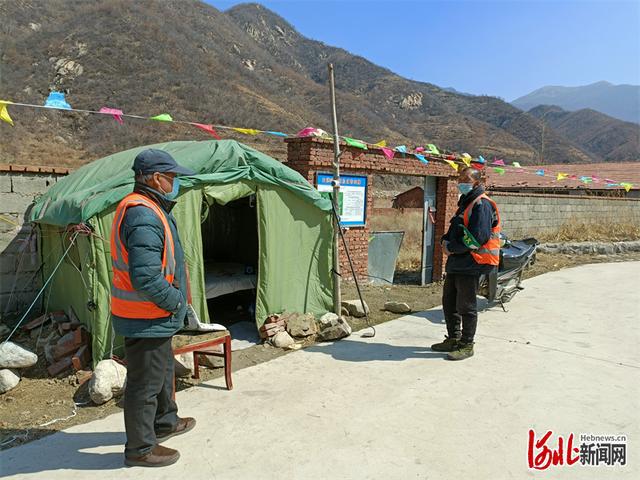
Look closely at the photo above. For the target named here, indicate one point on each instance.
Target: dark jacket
(143, 236)
(483, 218)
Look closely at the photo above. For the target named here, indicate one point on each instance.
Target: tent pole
(337, 294)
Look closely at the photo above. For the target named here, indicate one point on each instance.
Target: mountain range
(245, 67)
(618, 101)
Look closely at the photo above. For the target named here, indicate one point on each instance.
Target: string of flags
(57, 101)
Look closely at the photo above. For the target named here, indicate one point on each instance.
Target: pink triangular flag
(117, 114)
(207, 128)
(419, 149)
(388, 152)
(498, 162)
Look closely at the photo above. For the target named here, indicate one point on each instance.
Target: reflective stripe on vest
(126, 301)
(489, 253)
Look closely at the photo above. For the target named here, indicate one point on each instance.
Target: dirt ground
(38, 399)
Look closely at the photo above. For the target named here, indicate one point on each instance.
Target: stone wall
(19, 254)
(525, 215)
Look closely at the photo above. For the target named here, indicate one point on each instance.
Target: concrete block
(15, 203)
(5, 182)
(30, 184)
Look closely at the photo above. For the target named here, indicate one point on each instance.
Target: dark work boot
(449, 345)
(159, 456)
(463, 350)
(183, 426)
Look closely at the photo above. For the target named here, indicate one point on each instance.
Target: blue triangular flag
(277, 134)
(401, 149)
(540, 172)
(422, 158)
(56, 100)
(481, 159)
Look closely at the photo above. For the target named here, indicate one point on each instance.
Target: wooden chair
(204, 344)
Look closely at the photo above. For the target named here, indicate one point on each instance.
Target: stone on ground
(282, 340)
(14, 356)
(8, 380)
(183, 365)
(397, 307)
(354, 307)
(108, 381)
(300, 325)
(333, 327)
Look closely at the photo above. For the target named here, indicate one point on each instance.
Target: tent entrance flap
(230, 258)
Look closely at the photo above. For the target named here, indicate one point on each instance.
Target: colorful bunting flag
(453, 164)
(247, 131)
(208, 128)
(481, 159)
(433, 149)
(585, 179)
(4, 112)
(117, 114)
(561, 176)
(277, 134)
(401, 149)
(497, 162)
(540, 172)
(355, 143)
(163, 117)
(627, 186)
(389, 153)
(477, 166)
(422, 158)
(516, 164)
(381, 143)
(57, 100)
(499, 170)
(612, 184)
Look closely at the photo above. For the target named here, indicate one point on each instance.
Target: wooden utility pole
(337, 294)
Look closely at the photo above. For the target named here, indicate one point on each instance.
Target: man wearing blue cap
(148, 306)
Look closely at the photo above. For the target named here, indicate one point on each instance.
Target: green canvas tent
(293, 224)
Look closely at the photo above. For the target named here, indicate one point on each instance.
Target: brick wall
(19, 256)
(525, 215)
(311, 155)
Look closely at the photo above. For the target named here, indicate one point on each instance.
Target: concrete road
(565, 358)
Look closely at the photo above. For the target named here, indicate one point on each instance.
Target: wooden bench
(204, 344)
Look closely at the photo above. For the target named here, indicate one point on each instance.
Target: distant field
(410, 222)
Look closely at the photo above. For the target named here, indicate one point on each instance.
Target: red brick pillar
(446, 206)
(308, 156)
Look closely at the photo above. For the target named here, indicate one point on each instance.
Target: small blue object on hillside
(57, 100)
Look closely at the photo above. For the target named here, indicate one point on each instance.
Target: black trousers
(148, 396)
(460, 305)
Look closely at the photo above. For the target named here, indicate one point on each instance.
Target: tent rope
(43, 287)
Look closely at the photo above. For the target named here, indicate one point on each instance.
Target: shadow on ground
(76, 454)
(358, 351)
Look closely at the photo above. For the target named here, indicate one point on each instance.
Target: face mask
(465, 188)
(174, 191)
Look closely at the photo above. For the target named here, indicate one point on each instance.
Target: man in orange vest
(148, 306)
(472, 244)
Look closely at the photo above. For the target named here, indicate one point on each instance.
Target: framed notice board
(353, 197)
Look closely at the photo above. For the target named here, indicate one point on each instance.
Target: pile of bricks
(272, 325)
(64, 341)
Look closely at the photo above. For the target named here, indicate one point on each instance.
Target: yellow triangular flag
(381, 143)
(562, 176)
(627, 186)
(452, 164)
(247, 131)
(466, 158)
(4, 113)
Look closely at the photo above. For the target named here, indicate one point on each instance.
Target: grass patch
(593, 232)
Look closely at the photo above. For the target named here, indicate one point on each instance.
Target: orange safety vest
(489, 253)
(126, 302)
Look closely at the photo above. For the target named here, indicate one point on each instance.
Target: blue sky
(501, 48)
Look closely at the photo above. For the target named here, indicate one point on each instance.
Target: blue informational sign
(353, 197)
